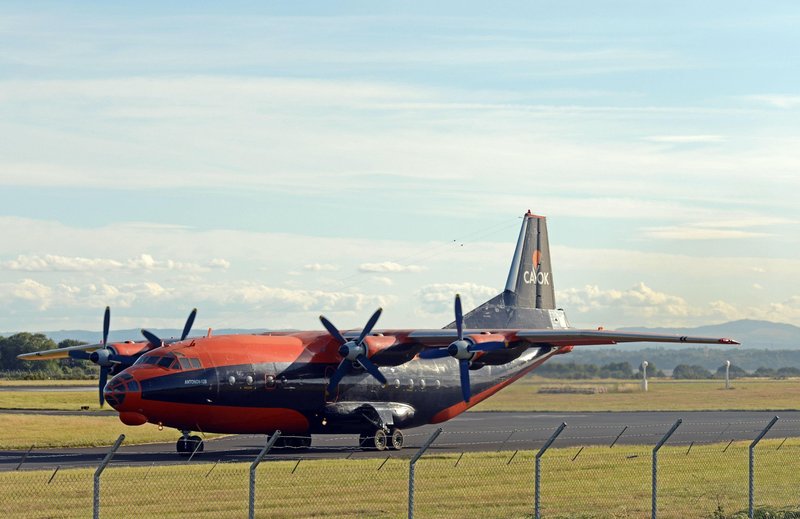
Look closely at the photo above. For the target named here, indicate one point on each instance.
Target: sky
(268, 162)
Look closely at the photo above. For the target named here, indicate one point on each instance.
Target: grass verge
(599, 483)
(20, 431)
(663, 395)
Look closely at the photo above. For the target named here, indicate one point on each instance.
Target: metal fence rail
(744, 469)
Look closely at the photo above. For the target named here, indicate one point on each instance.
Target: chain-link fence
(702, 470)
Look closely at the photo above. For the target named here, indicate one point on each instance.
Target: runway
(470, 432)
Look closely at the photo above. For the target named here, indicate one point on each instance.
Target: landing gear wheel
(304, 441)
(380, 440)
(188, 445)
(396, 440)
(195, 444)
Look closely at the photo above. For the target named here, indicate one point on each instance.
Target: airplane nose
(120, 387)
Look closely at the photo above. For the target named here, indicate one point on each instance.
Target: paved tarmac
(470, 432)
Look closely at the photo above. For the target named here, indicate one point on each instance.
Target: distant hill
(751, 333)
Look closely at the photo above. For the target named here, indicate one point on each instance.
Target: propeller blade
(80, 355)
(103, 379)
(106, 325)
(332, 329)
(370, 324)
(434, 353)
(488, 346)
(152, 338)
(459, 318)
(371, 368)
(189, 322)
(463, 366)
(340, 372)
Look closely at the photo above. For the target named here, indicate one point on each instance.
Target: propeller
(106, 358)
(103, 357)
(156, 342)
(463, 350)
(353, 352)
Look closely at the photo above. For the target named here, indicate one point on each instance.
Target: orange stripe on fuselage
(224, 419)
(457, 409)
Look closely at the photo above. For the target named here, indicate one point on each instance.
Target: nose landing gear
(188, 445)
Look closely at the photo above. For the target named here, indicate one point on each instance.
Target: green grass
(663, 395)
(600, 483)
(54, 400)
(20, 431)
(12, 382)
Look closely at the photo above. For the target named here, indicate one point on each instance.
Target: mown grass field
(20, 431)
(600, 483)
(663, 395)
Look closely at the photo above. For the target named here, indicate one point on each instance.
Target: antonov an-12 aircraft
(370, 382)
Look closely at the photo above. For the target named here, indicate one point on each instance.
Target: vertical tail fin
(530, 280)
(528, 300)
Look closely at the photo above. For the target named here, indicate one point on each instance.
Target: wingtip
(729, 341)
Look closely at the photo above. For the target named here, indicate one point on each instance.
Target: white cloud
(389, 266)
(776, 100)
(321, 267)
(638, 300)
(440, 297)
(144, 262)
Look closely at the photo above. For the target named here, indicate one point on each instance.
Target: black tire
(396, 440)
(195, 444)
(182, 447)
(380, 440)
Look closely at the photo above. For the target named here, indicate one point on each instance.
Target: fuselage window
(185, 364)
(269, 381)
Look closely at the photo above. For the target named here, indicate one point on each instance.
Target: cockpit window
(169, 361)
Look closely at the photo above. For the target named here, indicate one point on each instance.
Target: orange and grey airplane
(367, 382)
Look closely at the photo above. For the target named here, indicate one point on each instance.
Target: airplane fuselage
(264, 383)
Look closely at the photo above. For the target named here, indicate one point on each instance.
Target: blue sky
(268, 162)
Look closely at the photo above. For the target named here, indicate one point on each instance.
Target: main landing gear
(380, 439)
(188, 445)
(301, 441)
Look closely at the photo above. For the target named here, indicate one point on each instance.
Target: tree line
(12, 367)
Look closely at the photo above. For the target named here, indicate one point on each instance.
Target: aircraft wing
(565, 337)
(589, 337)
(58, 353)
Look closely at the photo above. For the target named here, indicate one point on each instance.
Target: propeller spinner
(353, 351)
(463, 350)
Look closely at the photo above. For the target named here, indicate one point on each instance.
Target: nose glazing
(118, 387)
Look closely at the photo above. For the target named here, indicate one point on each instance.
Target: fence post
(411, 465)
(100, 469)
(654, 505)
(251, 509)
(538, 474)
(750, 508)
